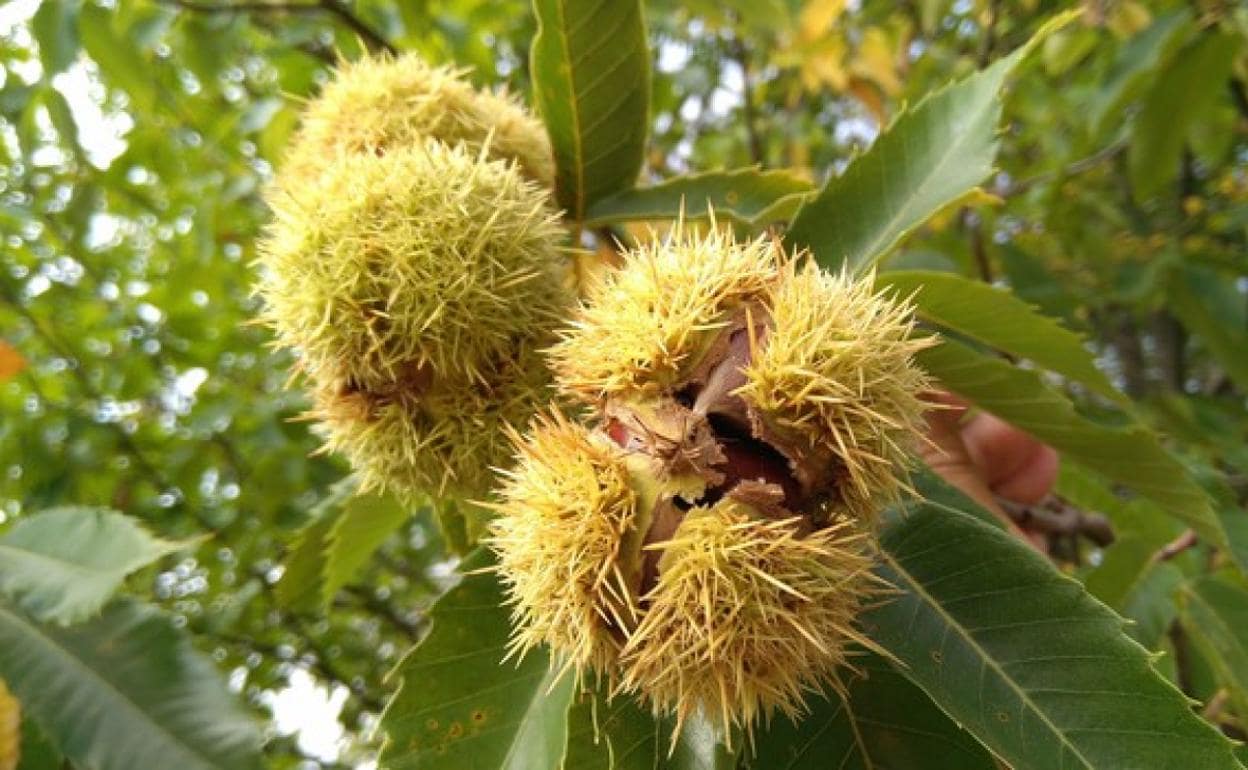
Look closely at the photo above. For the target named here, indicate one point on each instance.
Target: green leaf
(329, 551)
(1135, 64)
(64, 564)
(301, 586)
(887, 722)
(1179, 98)
(1022, 657)
(1215, 613)
(366, 522)
(619, 735)
(591, 80)
(459, 705)
(1194, 296)
(998, 318)
(929, 157)
(56, 29)
(1130, 455)
(125, 691)
(120, 63)
(749, 197)
(38, 753)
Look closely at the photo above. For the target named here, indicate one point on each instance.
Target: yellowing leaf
(869, 94)
(824, 65)
(1128, 18)
(876, 61)
(11, 361)
(817, 18)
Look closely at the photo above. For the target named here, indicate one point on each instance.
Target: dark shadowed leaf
(887, 722)
(458, 705)
(619, 735)
(1215, 613)
(1022, 657)
(1179, 98)
(55, 25)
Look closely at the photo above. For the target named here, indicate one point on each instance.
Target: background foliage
(136, 136)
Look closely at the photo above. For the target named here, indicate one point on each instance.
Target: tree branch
(749, 111)
(371, 37)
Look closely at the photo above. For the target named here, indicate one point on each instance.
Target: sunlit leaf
(930, 155)
(62, 565)
(591, 78)
(998, 318)
(366, 522)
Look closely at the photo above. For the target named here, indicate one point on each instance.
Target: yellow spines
(10, 729)
(378, 105)
(417, 286)
(567, 510)
(643, 329)
(427, 434)
(748, 614)
(834, 384)
(706, 544)
(426, 256)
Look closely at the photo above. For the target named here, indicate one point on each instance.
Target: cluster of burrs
(416, 265)
(699, 534)
(702, 537)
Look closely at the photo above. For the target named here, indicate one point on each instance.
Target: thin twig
(1054, 516)
(1072, 169)
(1175, 547)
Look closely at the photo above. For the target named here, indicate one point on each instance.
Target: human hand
(986, 458)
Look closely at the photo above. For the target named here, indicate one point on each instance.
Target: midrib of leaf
(134, 708)
(818, 733)
(539, 693)
(985, 659)
(858, 741)
(578, 145)
(877, 245)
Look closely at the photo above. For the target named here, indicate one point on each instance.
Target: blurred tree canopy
(136, 137)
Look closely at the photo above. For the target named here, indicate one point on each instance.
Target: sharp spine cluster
(415, 267)
(375, 105)
(706, 544)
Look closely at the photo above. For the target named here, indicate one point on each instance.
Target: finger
(1014, 464)
(1033, 481)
